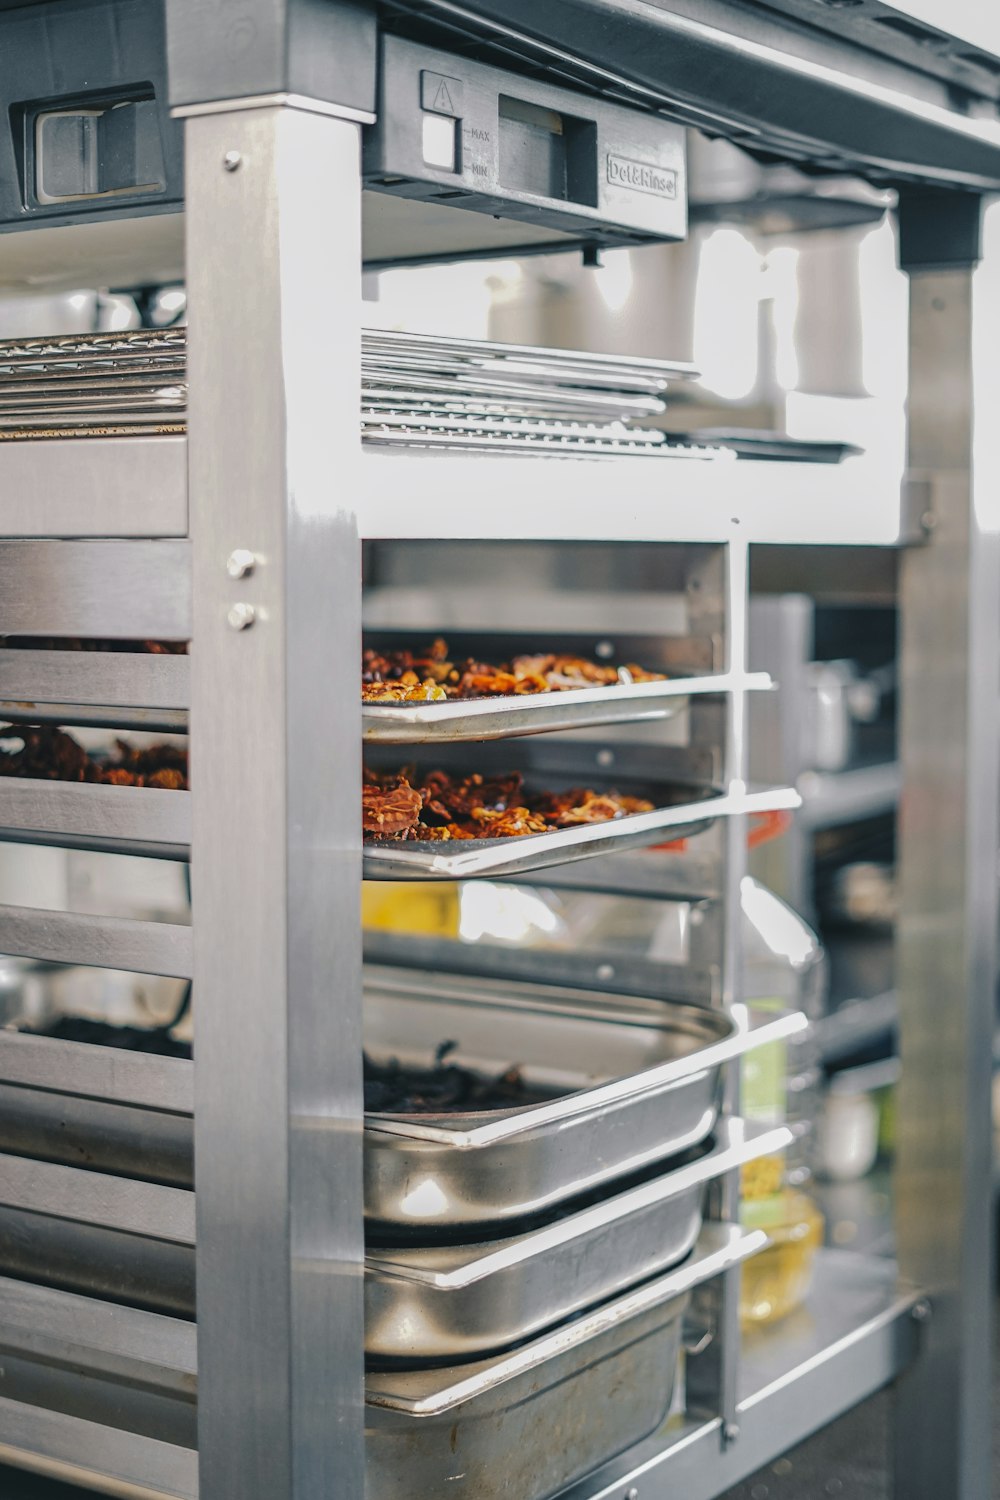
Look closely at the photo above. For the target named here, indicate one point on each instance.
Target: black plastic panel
(475, 137)
(767, 80)
(83, 101)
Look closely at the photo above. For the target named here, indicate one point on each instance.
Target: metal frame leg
(273, 215)
(948, 839)
(713, 1379)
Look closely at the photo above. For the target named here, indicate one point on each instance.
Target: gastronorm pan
(134, 1243)
(629, 1083)
(461, 1301)
(526, 1424)
(533, 1421)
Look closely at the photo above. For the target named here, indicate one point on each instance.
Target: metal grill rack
(242, 534)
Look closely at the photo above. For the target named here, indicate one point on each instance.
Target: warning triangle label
(442, 100)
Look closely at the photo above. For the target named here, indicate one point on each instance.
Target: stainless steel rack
(253, 519)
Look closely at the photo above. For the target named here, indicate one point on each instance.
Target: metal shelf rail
(114, 542)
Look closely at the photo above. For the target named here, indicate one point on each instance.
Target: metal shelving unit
(130, 538)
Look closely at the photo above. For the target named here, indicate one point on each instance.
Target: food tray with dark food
(612, 1085)
(390, 1086)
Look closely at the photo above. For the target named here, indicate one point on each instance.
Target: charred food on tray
(390, 1087)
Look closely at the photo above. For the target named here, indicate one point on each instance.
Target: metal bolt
(605, 971)
(920, 1311)
(232, 160)
(731, 1432)
(604, 650)
(632, 1494)
(241, 616)
(240, 563)
(928, 520)
(605, 757)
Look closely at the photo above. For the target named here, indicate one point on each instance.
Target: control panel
(470, 136)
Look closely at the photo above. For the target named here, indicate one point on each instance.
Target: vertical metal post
(273, 273)
(715, 1379)
(948, 840)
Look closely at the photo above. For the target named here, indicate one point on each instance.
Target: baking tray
(453, 720)
(626, 443)
(636, 1081)
(157, 824)
(448, 1303)
(679, 811)
(452, 392)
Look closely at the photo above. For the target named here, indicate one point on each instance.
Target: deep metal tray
(134, 1243)
(637, 1082)
(526, 1424)
(530, 1423)
(455, 1302)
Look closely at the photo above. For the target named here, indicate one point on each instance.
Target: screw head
(920, 1311)
(605, 650)
(605, 971)
(241, 616)
(605, 757)
(240, 563)
(731, 1432)
(632, 1494)
(232, 160)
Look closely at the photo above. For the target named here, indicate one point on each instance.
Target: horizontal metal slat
(109, 819)
(58, 1067)
(57, 1326)
(99, 487)
(144, 1208)
(118, 590)
(97, 942)
(107, 1459)
(121, 689)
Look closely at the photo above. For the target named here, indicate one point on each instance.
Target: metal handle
(744, 1040)
(719, 1247)
(735, 1146)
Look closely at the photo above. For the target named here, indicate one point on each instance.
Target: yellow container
(776, 1281)
(424, 907)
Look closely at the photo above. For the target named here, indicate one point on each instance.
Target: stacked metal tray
(526, 1423)
(416, 390)
(627, 1083)
(527, 1268)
